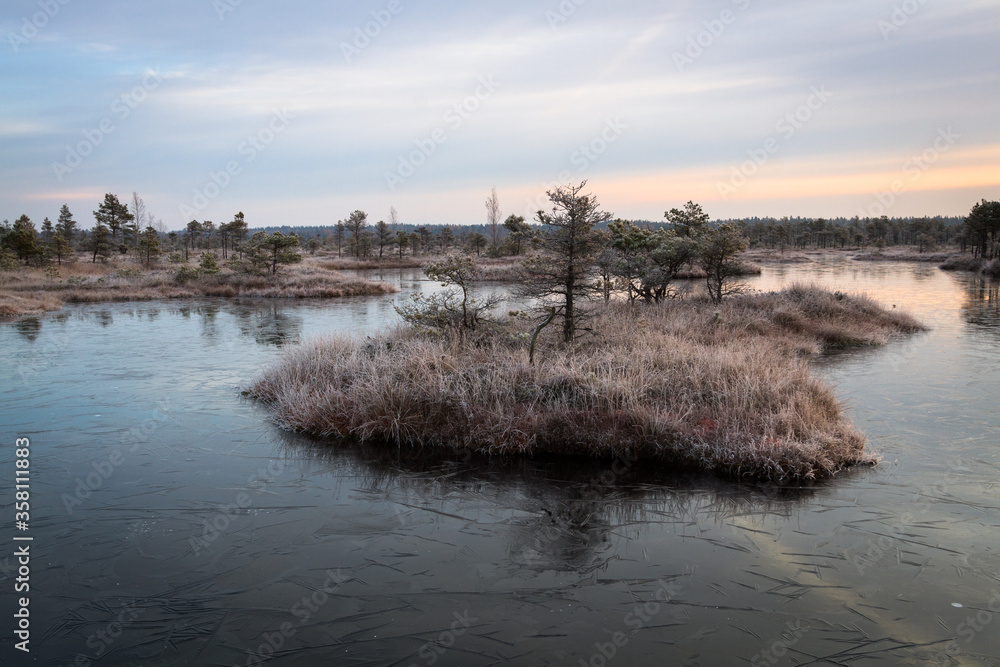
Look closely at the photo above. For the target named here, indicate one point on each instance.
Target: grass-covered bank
(31, 290)
(980, 265)
(725, 388)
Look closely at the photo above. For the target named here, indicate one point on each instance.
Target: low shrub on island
(724, 388)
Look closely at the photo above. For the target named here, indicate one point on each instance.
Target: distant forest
(326, 231)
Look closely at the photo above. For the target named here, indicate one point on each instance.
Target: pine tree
(149, 244)
(114, 215)
(207, 264)
(238, 232)
(100, 242)
(267, 251)
(402, 240)
(47, 231)
(22, 240)
(356, 223)
(569, 243)
(384, 234)
(60, 247)
(339, 230)
(66, 225)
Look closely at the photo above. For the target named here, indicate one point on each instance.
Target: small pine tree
(47, 231)
(149, 245)
(23, 240)
(717, 256)
(60, 247)
(265, 252)
(207, 264)
(113, 215)
(100, 243)
(66, 225)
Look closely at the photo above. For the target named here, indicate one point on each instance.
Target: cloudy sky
(300, 112)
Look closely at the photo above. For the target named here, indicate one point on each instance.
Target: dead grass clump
(353, 264)
(724, 390)
(693, 272)
(15, 305)
(972, 264)
(903, 254)
(499, 271)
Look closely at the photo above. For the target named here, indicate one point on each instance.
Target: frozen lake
(173, 524)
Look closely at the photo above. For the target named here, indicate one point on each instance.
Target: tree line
(129, 229)
(636, 252)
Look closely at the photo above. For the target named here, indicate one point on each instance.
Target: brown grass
(903, 254)
(84, 282)
(725, 389)
(13, 305)
(774, 256)
(387, 262)
(692, 272)
(505, 270)
(986, 267)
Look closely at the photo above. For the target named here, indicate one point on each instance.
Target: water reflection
(28, 328)
(982, 303)
(562, 512)
(269, 324)
(549, 556)
(104, 318)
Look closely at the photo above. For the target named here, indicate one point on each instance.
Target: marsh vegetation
(719, 383)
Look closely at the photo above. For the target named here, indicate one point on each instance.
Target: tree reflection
(557, 514)
(269, 324)
(29, 328)
(982, 303)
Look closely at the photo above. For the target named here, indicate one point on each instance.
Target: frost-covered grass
(724, 388)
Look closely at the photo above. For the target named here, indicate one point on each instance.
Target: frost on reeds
(686, 384)
(27, 304)
(32, 290)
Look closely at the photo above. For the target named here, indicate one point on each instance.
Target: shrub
(186, 274)
(208, 265)
(8, 260)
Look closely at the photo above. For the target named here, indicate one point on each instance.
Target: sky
(298, 113)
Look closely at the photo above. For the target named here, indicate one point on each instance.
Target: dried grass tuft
(723, 389)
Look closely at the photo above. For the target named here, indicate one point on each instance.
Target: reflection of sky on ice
(216, 524)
